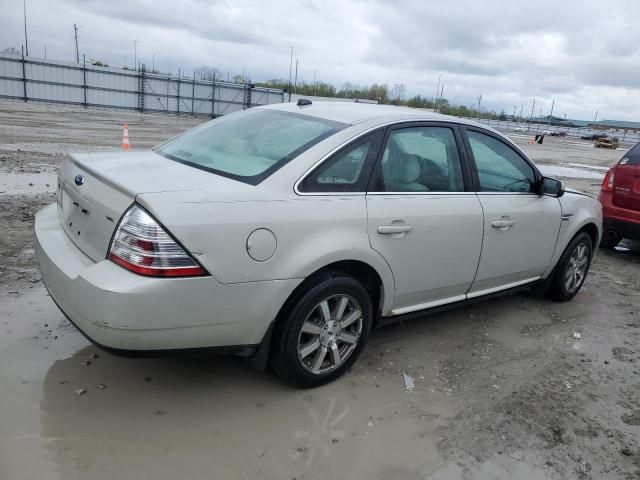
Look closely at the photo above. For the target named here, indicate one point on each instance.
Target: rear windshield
(248, 146)
(632, 157)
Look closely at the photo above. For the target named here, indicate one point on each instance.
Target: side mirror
(552, 187)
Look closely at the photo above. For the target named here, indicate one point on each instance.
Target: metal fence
(29, 78)
(628, 137)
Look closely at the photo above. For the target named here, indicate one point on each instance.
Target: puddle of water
(592, 167)
(27, 183)
(570, 172)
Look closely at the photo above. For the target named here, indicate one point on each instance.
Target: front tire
(572, 269)
(321, 331)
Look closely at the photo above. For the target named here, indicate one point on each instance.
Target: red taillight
(607, 183)
(142, 246)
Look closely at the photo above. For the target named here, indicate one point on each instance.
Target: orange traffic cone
(125, 137)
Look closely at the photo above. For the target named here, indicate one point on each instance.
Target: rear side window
(248, 146)
(348, 170)
(500, 168)
(632, 157)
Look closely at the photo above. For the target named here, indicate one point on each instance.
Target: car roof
(352, 112)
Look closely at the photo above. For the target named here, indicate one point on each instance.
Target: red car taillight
(142, 246)
(607, 183)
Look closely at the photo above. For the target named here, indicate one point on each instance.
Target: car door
(423, 216)
(520, 226)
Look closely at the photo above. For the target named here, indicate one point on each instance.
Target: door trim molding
(487, 291)
(460, 298)
(424, 306)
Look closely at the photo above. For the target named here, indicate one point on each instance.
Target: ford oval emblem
(79, 180)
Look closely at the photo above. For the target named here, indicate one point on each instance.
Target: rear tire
(610, 239)
(572, 269)
(321, 331)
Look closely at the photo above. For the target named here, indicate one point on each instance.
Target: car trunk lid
(95, 189)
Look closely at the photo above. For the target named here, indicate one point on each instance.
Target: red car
(620, 198)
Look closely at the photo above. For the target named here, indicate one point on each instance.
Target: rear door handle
(503, 224)
(391, 229)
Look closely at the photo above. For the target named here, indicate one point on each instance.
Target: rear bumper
(120, 310)
(624, 221)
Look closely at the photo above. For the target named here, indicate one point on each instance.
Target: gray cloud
(585, 55)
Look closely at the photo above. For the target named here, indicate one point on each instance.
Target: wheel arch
(592, 230)
(378, 284)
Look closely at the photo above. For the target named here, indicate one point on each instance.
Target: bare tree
(11, 51)
(207, 73)
(397, 93)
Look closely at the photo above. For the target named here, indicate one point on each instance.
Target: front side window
(421, 159)
(347, 170)
(248, 146)
(500, 168)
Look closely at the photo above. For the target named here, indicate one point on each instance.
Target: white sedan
(287, 232)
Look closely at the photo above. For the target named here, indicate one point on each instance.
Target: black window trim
(460, 145)
(474, 169)
(336, 151)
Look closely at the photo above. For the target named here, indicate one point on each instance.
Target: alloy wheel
(330, 334)
(576, 268)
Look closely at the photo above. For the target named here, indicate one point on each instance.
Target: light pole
(315, 72)
(135, 54)
(479, 100)
(26, 41)
(290, 71)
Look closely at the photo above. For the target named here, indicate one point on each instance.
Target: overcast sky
(583, 54)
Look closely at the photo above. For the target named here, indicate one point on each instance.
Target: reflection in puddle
(570, 172)
(323, 432)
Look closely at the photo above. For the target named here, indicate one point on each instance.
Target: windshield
(248, 146)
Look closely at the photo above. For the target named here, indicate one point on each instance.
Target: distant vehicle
(620, 198)
(558, 134)
(288, 231)
(611, 143)
(594, 136)
(547, 132)
(521, 128)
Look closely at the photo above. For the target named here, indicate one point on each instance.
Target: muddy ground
(502, 388)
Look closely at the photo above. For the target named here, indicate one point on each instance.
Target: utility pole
(435, 99)
(514, 113)
(135, 54)
(26, 41)
(478, 112)
(153, 62)
(75, 35)
(441, 95)
(290, 68)
(553, 102)
(595, 119)
(295, 82)
(532, 109)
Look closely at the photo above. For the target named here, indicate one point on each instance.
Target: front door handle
(392, 229)
(503, 224)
